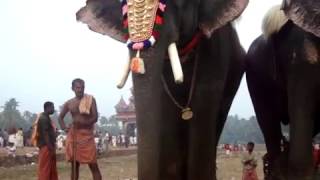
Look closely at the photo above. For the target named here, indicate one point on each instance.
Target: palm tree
(11, 117)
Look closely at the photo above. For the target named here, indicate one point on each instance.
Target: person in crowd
(46, 140)
(80, 144)
(249, 163)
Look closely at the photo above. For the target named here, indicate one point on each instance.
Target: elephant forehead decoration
(141, 21)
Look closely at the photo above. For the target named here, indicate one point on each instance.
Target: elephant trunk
(175, 63)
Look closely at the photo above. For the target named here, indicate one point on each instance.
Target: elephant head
(182, 20)
(105, 16)
(305, 14)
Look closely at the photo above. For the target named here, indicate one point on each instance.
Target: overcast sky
(42, 48)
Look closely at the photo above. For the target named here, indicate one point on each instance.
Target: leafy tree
(241, 131)
(111, 125)
(103, 120)
(11, 117)
(29, 117)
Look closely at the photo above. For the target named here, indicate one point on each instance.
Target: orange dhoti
(85, 147)
(47, 167)
(250, 174)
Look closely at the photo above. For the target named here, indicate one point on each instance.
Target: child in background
(249, 162)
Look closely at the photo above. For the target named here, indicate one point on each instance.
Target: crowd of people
(81, 142)
(14, 138)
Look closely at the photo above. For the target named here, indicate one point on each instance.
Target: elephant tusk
(125, 74)
(175, 63)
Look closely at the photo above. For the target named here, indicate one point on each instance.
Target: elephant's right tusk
(175, 63)
(125, 74)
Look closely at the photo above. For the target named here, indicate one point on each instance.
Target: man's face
(78, 89)
(51, 109)
(249, 147)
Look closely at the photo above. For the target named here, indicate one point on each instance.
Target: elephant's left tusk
(175, 63)
(125, 74)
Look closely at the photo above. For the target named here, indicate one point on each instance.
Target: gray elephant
(282, 71)
(179, 119)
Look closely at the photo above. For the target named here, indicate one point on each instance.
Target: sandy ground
(124, 168)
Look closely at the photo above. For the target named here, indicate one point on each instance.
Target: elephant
(171, 146)
(282, 73)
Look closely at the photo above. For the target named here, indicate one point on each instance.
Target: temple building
(127, 116)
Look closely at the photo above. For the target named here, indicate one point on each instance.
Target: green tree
(29, 117)
(103, 120)
(11, 117)
(241, 131)
(111, 125)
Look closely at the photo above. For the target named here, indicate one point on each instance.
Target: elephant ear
(217, 13)
(305, 14)
(103, 16)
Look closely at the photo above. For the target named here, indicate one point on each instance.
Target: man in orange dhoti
(80, 145)
(249, 162)
(46, 139)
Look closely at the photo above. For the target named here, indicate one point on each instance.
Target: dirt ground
(124, 168)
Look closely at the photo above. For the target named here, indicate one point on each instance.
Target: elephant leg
(212, 72)
(203, 138)
(301, 101)
(233, 81)
(267, 113)
(269, 98)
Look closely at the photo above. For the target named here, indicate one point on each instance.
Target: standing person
(27, 137)
(46, 140)
(114, 141)
(19, 138)
(107, 138)
(12, 137)
(80, 145)
(1, 139)
(1, 142)
(249, 162)
(5, 136)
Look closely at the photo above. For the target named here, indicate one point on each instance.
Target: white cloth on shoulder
(85, 104)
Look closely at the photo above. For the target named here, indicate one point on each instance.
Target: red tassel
(155, 34)
(159, 20)
(125, 23)
(126, 36)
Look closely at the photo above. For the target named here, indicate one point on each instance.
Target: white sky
(42, 48)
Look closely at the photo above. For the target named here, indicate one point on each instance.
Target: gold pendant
(186, 113)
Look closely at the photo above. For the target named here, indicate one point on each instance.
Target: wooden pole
(74, 149)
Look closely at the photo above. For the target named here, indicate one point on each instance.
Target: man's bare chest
(73, 107)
